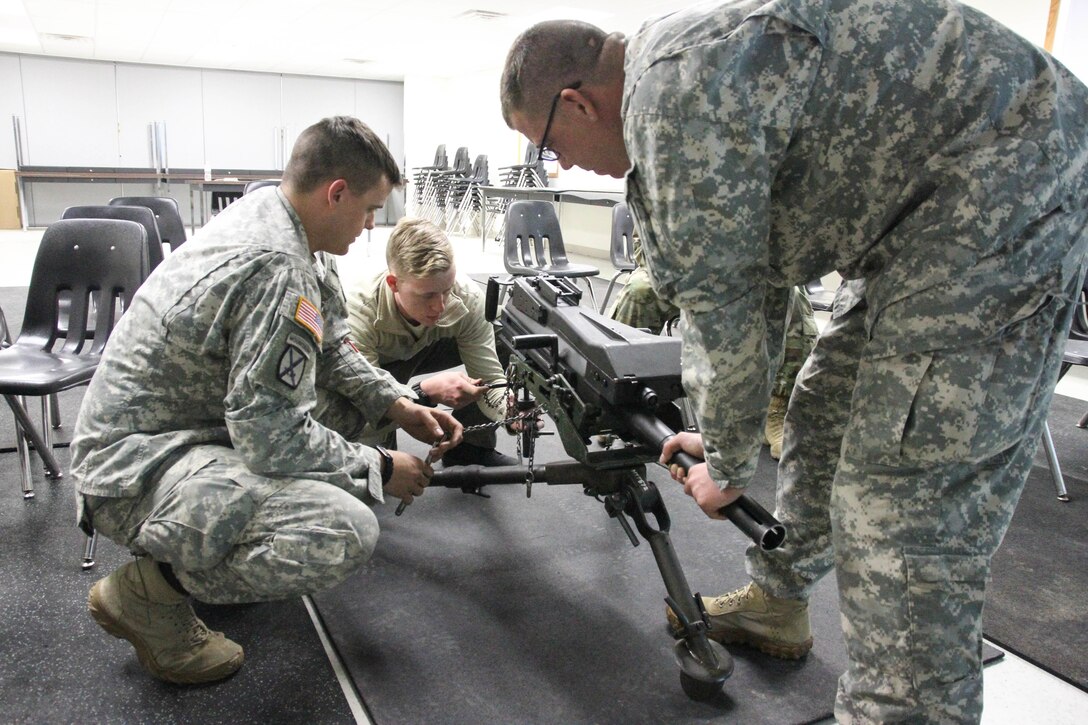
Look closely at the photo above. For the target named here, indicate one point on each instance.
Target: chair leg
(24, 429)
(54, 411)
(608, 292)
(47, 421)
(592, 297)
(24, 461)
(1055, 467)
(1083, 422)
(89, 550)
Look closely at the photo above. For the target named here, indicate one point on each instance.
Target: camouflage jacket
(385, 336)
(226, 343)
(935, 159)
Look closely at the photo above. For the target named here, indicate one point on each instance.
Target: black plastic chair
(97, 265)
(534, 245)
(621, 250)
(259, 184)
(139, 214)
(167, 216)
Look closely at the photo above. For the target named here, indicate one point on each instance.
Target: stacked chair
(528, 174)
(421, 178)
(465, 198)
(436, 193)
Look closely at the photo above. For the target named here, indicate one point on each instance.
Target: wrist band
(421, 397)
(387, 463)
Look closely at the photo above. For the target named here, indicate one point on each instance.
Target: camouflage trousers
(637, 305)
(902, 473)
(233, 536)
(801, 334)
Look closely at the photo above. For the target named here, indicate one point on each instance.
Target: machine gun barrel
(756, 522)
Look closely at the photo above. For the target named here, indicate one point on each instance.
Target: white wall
(1026, 17)
(1069, 45)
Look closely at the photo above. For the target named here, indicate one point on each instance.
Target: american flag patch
(309, 317)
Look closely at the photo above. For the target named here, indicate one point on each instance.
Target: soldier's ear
(391, 280)
(583, 100)
(336, 191)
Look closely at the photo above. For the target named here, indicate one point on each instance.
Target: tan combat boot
(773, 428)
(750, 616)
(136, 603)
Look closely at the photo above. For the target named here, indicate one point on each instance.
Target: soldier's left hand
(426, 424)
(700, 486)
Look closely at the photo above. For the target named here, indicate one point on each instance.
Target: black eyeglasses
(544, 152)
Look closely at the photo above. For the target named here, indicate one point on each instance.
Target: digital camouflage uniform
(212, 436)
(462, 336)
(637, 305)
(939, 163)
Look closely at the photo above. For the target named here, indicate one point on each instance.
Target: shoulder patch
(307, 315)
(292, 366)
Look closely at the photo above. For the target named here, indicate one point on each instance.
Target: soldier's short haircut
(340, 147)
(417, 248)
(545, 59)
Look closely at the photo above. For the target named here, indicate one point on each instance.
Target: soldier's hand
(700, 486)
(425, 424)
(410, 477)
(453, 388)
(690, 443)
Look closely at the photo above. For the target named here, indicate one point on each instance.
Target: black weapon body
(596, 376)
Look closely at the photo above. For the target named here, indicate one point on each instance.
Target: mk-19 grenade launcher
(596, 377)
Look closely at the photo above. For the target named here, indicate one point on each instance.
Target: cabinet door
(147, 94)
(380, 104)
(71, 112)
(307, 100)
(11, 104)
(242, 129)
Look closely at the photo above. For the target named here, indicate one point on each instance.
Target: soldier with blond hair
(419, 317)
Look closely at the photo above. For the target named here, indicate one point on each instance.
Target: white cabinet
(170, 97)
(380, 105)
(11, 105)
(71, 112)
(307, 100)
(242, 128)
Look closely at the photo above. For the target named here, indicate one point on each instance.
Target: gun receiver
(596, 376)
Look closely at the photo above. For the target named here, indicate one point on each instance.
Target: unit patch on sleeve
(292, 366)
(309, 317)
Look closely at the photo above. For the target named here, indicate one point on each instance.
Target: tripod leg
(704, 664)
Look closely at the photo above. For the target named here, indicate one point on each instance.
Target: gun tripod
(628, 497)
